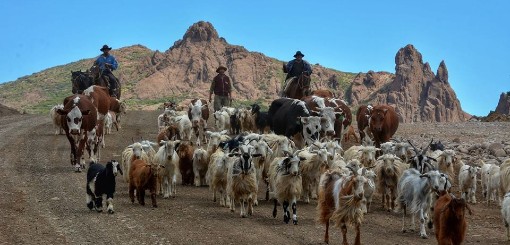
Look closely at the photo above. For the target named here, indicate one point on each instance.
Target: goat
(494, 184)
(131, 153)
(369, 188)
(101, 181)
(310, 170)
(365, 154)
(169, 133)
(260, 118)
(185, 153)
(484, 177)
(445, 163)
(200, 166)
(221, 120)
(242, 179)
(143, 176)
(167, 157)
(340, 200)
(57, 119)
(389, 168)
(420, 161)
(505, 212)
(286, 185)
(414, 191)
(217, 176)
(449, 219)
(467, 183)
(504, 178)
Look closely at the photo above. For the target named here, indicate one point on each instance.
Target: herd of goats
(294, 149)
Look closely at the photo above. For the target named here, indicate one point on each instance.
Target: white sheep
(467, 183)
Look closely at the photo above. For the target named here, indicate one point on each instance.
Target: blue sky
(472, 37)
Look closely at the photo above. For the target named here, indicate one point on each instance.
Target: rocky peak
(201, 31)
(442, 72)
(504, 104)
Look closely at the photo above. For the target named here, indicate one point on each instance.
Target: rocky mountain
(186, 69)
(417, 93)
(504, 104)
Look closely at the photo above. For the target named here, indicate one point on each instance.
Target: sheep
(185, 153)
(365, 154)
(310, 171)
(445, 163)
(340, 200)
(221, 120)
(217, 176)
(242, 179)
(505, 212)
(449, 219)
(167, 157)
(131, 153)
(467, 183)
(389, 168)
(57, 119)
(200, 166)
(143, 176)
(504, 178)
(369, 188)
(101, 181)
(414, 191)
(494, 184)
(286, 184)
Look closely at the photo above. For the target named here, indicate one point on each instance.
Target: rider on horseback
(295, 68)
(107, 64)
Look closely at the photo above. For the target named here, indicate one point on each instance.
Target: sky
(471, 36)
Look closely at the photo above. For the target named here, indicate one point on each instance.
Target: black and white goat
(420, 161)
(101, 181)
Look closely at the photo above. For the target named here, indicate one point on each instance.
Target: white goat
(129, 154)
(217, 176)
(494, 184)
(221, 120)
(369, 188)
(310, 169)
(365, 154)
(414, 191)
(200, 166)
(504, 178)
(167, 157)
(467, 183)
(505, 212)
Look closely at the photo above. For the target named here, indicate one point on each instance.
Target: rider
(107, 64)
(295, 68)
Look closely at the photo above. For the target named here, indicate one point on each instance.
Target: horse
(297, 87)
(103, 80)
(80, 81)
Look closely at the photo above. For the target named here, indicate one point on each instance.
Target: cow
(198, 113)
(317, 107)
(383, 123)
(79, 117)
(290, 117)
(363, 119)
(343, 119)
(100, 97)
(324, 93)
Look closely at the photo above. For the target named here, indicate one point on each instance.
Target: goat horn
(426, 148)
(414, 147)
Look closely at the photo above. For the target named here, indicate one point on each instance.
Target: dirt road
(42, 201)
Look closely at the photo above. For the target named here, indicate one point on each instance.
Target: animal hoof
(99, 210)
(90, 205)
(404, 231)
(295, 222)
(274, 214)
(154, 206)
(110, 211)
(424, 236)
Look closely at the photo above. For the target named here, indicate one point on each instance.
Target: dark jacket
(221, 85)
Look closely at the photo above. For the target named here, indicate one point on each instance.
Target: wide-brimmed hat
(298, 53)
(105, 47)
(221, 67)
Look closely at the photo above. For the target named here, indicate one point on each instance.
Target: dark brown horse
(103, 80)
(80, 81)
(297, 87)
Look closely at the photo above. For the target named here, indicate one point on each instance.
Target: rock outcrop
(504, 104)
(417, 94)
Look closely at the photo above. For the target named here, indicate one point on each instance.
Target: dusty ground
(43, 200)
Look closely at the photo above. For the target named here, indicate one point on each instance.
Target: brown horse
(103, 80)
(342, 209)
(297, 87)
(80, 81)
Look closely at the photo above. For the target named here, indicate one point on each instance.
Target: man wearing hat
(295, 68)
(107, 64)
(222, 89)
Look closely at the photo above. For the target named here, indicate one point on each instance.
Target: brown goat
(348, 208)
(185, 153)
(168, 133)
(143, 176)
(351, 133)
(449, 219)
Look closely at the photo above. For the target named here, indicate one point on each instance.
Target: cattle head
(74, 118)
(376, 121)
(328, 116)
(311, 128)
